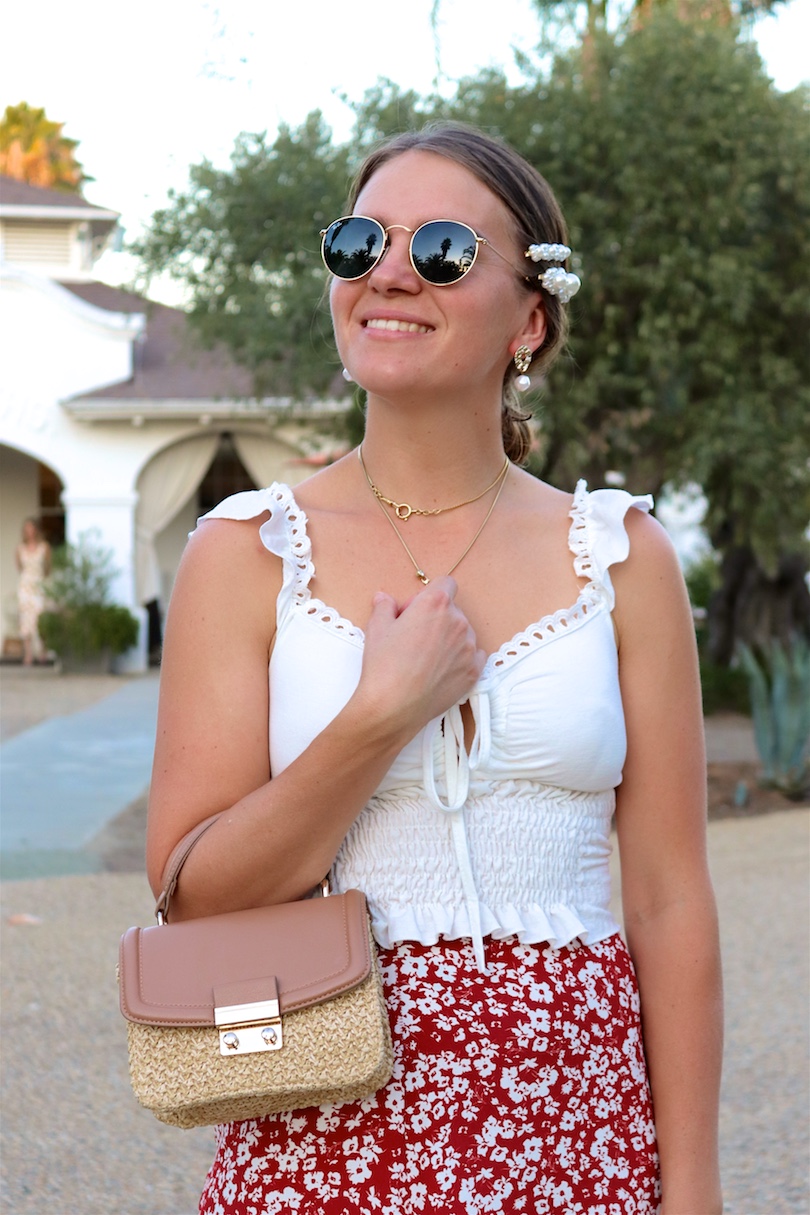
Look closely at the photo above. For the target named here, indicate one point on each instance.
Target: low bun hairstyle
(537, 218)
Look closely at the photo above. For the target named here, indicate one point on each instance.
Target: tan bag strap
(178, 858)
(174, 864)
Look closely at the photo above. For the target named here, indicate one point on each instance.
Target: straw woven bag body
(253, 1012)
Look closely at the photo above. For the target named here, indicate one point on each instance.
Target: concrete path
(62, 780)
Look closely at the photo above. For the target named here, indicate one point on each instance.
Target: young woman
(33, 560)
(468, 669)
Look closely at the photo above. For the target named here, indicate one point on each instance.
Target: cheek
(339, 306)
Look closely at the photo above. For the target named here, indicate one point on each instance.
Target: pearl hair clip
(556, 281)
(548, 253)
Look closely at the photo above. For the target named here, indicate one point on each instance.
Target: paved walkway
(63, 779)
(74, 1139)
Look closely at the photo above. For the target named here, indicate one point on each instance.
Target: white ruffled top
(512, 838)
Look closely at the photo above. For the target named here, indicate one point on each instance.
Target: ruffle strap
(598, 536)
(284, 534)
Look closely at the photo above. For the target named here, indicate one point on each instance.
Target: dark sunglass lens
(352, 246)
(443, 251)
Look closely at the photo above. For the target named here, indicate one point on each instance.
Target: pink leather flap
(247, 991)
(315, 949)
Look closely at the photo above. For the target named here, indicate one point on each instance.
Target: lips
(395, 326)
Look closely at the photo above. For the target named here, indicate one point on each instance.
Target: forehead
(417, 186)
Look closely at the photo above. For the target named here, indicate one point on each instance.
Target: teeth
(397, 326)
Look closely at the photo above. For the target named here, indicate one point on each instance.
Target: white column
(110, 518)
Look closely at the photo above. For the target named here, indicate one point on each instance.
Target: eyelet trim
(592, 597)
(302, 568)
(578, 537)
(299, 546)
(322, 614)
(566, 620)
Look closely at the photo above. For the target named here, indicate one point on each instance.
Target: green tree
(245, 242)
(33, 149)
(685, 178)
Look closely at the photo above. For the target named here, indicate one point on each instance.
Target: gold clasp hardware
(246, 1029)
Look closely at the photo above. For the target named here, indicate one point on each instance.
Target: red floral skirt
(521, 1090)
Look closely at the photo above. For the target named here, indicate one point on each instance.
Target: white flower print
(522, 1091)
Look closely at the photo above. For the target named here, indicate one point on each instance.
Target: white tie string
(457, 768)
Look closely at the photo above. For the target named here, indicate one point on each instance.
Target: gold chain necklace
(403, 510)
(420, 573)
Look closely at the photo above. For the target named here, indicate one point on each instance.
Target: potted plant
(81, 624)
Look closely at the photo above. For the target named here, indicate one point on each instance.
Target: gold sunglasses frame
(479, 240)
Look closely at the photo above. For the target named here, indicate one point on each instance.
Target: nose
(394, 272)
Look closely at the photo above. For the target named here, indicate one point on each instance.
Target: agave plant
(779, 684)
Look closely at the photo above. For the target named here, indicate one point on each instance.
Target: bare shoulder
(226, 570)
(649, 585)
(649, 540)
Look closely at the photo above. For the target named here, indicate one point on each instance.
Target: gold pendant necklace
(420, 573)
(403, 510)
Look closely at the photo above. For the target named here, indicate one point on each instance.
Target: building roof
(19, 199)
(169, 364)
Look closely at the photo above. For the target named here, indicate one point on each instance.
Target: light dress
(31, 588)
(519, 1081)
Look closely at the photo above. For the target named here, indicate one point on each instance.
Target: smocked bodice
(514, 836)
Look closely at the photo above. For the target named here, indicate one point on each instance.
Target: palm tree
(33, 149)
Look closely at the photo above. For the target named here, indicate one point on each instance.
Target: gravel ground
(103, 1155)
(64, 1043)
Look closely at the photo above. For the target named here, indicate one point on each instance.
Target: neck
(431, 457)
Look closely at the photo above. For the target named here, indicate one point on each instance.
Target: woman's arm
(669, 908)
(279, 836)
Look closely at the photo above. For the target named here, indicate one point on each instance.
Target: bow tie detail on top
(457, 768)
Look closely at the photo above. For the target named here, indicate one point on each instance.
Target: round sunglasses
(441, 251)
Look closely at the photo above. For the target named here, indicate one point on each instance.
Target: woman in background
(462, 671)
(33, 559)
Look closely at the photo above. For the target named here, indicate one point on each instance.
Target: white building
(111, 418)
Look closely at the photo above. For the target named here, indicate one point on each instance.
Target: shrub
(81, 620)
(89, 629)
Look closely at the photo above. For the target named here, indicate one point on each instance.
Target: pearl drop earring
(523, 357)
(347, 375)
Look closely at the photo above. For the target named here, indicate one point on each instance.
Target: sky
(149, 89)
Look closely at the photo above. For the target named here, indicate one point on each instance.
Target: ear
(533, 333)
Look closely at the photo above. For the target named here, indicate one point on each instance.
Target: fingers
(426, 644)
(444, 583)
(383, 600)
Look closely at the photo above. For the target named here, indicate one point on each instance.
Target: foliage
(81, 619)
(589, 16)
(724, 689)
(33, 149)
(685, 178)
(779, 679)
(702, 579)
(81, 573)
(89, 630)
(245, 241)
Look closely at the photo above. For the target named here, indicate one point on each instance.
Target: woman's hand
(419, 658)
